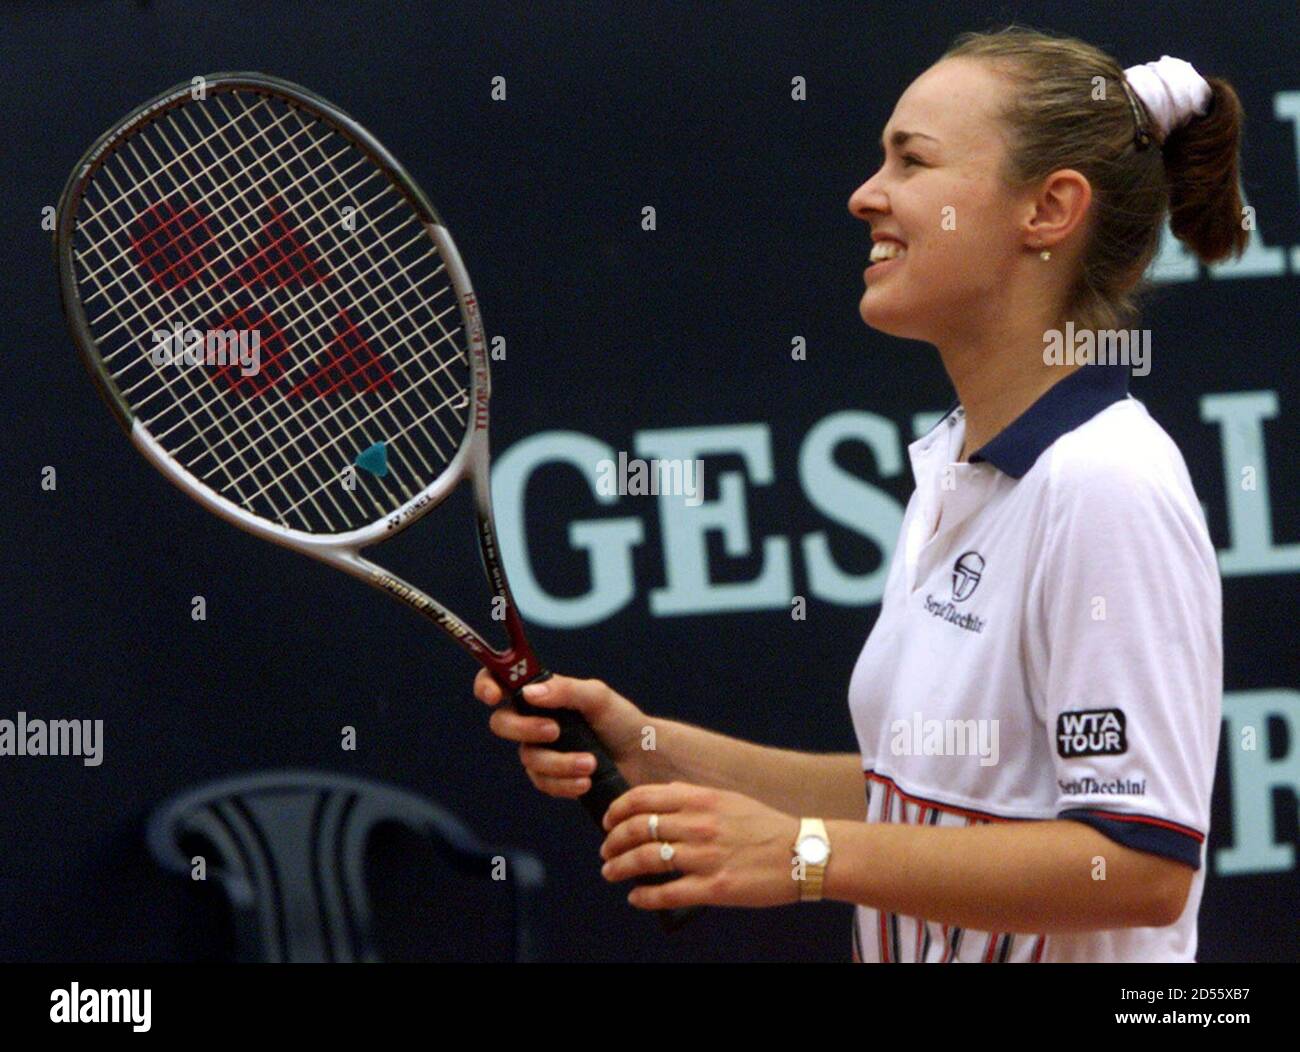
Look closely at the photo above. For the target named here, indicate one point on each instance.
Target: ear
(1058, 208)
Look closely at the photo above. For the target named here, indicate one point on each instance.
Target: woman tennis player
(1038, 704)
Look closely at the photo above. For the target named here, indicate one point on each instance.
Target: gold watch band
(810, 887)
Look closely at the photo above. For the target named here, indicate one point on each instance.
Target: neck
(997, 376)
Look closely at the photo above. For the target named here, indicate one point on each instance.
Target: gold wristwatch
(812, 847)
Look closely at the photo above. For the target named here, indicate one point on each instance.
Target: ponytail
(1202, 161)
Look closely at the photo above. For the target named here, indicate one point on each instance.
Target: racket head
(228, 204)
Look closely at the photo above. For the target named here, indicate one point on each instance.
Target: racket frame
(512, 667)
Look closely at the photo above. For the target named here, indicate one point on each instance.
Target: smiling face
(939, 191)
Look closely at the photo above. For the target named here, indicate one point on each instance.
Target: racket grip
(607, 785)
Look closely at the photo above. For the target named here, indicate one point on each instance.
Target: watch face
(814, 850)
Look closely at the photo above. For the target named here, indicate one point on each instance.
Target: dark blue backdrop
(611, 331)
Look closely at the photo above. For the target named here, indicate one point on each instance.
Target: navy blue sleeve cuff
(1156, 836)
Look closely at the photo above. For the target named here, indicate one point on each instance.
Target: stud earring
(1044, 255)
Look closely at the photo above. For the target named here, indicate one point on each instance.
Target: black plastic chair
(288, 849)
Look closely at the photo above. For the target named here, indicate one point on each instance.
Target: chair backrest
(288, 848)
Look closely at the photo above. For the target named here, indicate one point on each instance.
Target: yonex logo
(966, 572)
(175, 244)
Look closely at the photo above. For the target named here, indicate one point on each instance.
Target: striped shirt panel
(880, 936)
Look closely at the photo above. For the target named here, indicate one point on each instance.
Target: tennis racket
(284, 326)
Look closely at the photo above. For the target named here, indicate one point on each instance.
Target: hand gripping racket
(283, 324)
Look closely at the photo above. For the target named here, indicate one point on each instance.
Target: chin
(885, 318)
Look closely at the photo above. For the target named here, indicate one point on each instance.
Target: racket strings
(292, 301)
(233, 217)
(167, 382)
(251, 271)
(108, 235)
(201, 432)
(390, 294)
(271, 431)
(444, 400)
(453, 391)
(355, 366)
(241, 424)
(329, 431)
(270, 258)
(229, 295)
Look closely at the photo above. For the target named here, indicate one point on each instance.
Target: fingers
(650, 858)
(675, 796)
(691, 890)
(562, 774)
(554, 773)
(673, 828)
(551, 764)
(565, 692)
(565, 788)
(557, 692)
(508, 724)
(486, 689)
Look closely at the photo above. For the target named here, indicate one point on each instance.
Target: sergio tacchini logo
(966, 573)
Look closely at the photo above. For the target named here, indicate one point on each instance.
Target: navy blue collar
(1061, 408)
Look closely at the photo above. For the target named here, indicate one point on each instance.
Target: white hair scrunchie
(1172, 91)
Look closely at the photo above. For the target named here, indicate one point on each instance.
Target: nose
(868, 200)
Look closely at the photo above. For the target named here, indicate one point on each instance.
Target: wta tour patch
(1091, 732)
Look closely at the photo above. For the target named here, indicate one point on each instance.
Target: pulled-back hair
(1059, 116)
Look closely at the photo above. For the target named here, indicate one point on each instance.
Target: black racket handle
(607, 785)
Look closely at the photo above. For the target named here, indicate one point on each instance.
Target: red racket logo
(174, 244)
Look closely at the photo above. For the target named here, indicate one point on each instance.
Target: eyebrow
(899, 138)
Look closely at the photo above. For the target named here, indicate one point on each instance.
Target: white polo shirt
(1049, 645)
